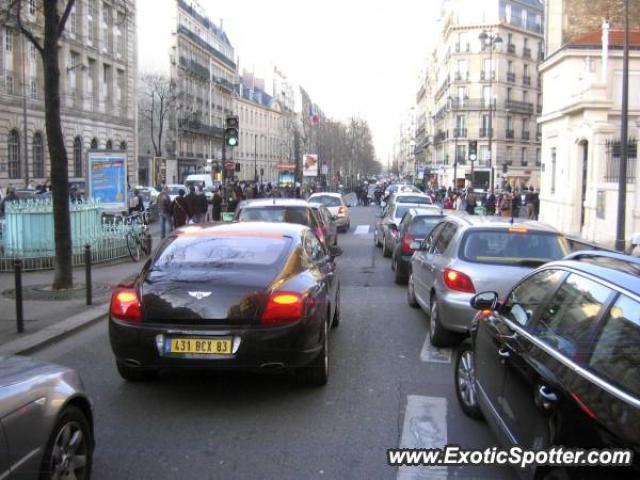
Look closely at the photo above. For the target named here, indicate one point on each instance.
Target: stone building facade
(98, 67)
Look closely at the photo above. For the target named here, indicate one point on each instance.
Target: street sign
(108, 179)
(230, 165)
(286, 166)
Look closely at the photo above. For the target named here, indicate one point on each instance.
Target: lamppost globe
(497, 39)
(483, 36)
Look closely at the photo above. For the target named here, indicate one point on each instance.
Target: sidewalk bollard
(17, 268)
(87, 272)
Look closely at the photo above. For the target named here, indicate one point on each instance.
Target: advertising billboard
(108, 179)
(310, 165)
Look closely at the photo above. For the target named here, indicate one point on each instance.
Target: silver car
(468, 254)
(46, 419)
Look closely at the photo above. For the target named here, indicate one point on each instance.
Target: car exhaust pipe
(272, 366)
(132, 363)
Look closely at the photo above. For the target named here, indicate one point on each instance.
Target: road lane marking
(362, 230)
(425, 426)
(429, 353)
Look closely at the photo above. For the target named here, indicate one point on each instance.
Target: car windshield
(420, 199)
(513, 247)
(401, 210)
(327, 200)
(175, 190)
(194, 183)
(422, 226)
(199, 252)
(299, 215)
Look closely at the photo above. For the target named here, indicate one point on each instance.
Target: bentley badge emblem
(199, 295)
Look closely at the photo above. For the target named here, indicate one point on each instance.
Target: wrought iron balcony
(526, 52)
(509, 134)
(459, 132)
(511, 48)
(440, 136)
(196, 126)
(540, 55)
(539, 108)
(485, 132)
(511, 77)
(525, 135)
(526, 80)
(462, 76)
(520, 107)
(486, 76)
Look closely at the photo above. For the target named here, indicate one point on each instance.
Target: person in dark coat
(199, 206)
(216, 210)
(181, 210)
(490, 203)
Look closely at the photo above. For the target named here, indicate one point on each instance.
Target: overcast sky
(354, 57)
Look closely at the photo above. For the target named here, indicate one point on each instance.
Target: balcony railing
(526, 52)
(521, 107)
(440, 136)
(459, 48)
(511, 48)
(486, 76)
(461, 159)
(539, 81)
(461, 76)
(469, 104)
(540, 55)
(195, 126)
(525, 136)
(485, 132)
(539, 108)
(459, 132)
(526, 80)
(510, 134)
(511, 77)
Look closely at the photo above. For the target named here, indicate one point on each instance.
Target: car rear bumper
(254, 348)
(404, 265)
(456, 313)
(342, 221)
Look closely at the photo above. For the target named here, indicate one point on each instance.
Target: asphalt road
(385, 390)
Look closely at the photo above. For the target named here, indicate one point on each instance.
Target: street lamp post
(255, 158)
(491, 39)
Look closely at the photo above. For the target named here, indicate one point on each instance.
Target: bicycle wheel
(134, 247)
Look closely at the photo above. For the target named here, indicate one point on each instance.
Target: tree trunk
(160, 127)
(63, 275)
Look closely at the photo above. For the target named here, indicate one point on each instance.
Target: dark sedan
(251, 296)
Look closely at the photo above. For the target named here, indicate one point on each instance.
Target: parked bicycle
(136, 231)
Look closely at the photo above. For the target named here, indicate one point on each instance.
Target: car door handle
(504, 353)
(547, 395)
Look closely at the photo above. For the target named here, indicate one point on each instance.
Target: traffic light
(473, 150)
(231, 131)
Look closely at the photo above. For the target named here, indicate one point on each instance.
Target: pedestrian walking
(531, 211)
(136, 203)
(9, 197)
(216, 209)
(166, 213)
(180, 208)
(490, 203)
(200, 207)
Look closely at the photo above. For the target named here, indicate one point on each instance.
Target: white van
(204, 180)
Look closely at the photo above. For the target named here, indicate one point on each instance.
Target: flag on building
(314, 116)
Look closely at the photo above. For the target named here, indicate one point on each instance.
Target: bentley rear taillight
(282, 308)
(126, 306)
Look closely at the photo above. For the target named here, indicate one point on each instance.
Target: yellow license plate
(206, 346)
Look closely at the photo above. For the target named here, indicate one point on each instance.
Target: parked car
(337, 206)
(327, 222)
(46, 419)
(174, 189)
(153, 193)
(410, 197)
(254, 296)
(556, 361)
(465, 254)
(280, 210)
(415, 225)
(387, 226)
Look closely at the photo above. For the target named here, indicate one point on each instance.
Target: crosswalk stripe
(429, 353)
(362, 230)
(425, 426)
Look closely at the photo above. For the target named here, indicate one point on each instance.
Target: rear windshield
(194, 183)
(327, 200)
(402, 209)
(197, 252)
(299, 215)
(512, 248)
(411, 199)
(422, 226)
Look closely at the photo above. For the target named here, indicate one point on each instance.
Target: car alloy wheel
(438, 335)
(465, 380)
(69, 453)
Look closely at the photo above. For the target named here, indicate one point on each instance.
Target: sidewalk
(45, 319)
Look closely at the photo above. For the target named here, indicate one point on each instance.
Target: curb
(34, 341)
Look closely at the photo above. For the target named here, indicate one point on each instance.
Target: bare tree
(156, 99)
(47, 44)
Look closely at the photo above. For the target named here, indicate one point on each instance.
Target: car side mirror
(485, 301)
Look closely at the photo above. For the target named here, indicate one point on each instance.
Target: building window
(13, 145)
(33, 88)
(123, 146)
(109, 146)
(614, 155)
(8, 40)
(538, 159)
(9, 83)
(553, 170)
(77, 156)
(461, 154)
(523, 157)
(38, 155)
(94, 144)
(509, 156)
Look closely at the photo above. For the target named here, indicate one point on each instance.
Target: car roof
(247, 229)
(328, 194)
(316, 205)
(428, 210)
(488, 221)
(410, 194)
(622, 271)
(279, 202)
(405, 205)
